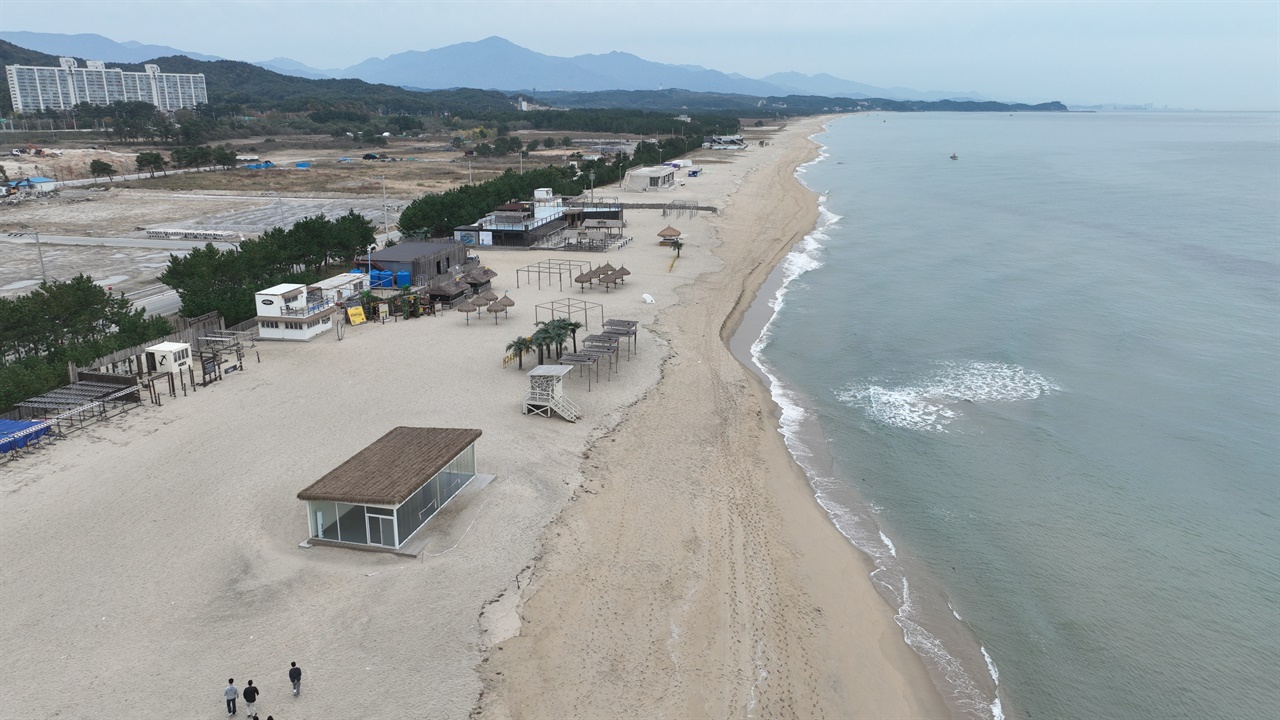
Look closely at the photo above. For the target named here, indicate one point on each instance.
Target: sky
(1218, 55)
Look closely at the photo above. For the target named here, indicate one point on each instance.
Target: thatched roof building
(385, 492)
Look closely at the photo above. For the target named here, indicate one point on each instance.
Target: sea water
(1039, 384)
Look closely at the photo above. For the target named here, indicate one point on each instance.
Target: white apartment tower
(61, 88)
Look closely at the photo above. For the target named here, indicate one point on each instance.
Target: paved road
(164, 303)
(133, 176)
(148, 243)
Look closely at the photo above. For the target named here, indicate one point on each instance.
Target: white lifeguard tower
(546, 393)
(168, 357)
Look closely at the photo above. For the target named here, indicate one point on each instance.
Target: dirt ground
(241, 201)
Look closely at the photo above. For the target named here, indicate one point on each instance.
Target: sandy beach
(662, 557)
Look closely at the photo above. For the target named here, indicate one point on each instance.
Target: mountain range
(498, 64)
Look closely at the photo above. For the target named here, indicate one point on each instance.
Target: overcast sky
(1219, 55)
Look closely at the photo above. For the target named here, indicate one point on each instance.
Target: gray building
(422, 260)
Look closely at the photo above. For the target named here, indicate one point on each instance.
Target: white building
(290, 311)
(640, 179)
(168, 357)
(342, 287)
(35, 88)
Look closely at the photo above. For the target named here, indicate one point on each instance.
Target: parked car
(369, 156)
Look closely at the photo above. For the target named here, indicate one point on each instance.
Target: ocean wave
(997, 712)
(860, 529)
(932, 403)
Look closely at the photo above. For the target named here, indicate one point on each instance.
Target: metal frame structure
(567, 308)
(553, 267)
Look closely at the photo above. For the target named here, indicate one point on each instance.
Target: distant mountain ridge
(94, 47)
(495, 63)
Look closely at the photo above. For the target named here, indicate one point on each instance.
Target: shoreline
(812, 659)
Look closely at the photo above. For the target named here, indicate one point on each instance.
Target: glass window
(351, 524)
(323, 519)
(415, 511)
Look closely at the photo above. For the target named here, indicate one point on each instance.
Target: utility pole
(44, 277)
(591, 174)
(386, 227)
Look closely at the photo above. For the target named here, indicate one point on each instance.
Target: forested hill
(748, 105)
(232, 83)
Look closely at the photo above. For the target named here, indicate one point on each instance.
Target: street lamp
(369, 257)
(36, 234)
(591, 175)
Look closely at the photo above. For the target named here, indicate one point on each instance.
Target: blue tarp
(9, 438)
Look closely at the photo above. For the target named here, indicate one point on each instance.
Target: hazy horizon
(1187, 55)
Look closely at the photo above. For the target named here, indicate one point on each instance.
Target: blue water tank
(402, 278)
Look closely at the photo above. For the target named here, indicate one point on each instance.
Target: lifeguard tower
(546, 393)
(168, 357)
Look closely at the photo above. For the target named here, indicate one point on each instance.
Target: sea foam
(860, 529)
(933, 402)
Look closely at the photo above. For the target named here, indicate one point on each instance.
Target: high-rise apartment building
(61, 88)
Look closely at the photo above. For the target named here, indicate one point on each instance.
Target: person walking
(231, 693)
(295, 677)
(250, 697)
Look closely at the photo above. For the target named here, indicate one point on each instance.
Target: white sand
(680, 565)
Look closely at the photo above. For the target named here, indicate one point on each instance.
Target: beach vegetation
(225, 280)
(520, 347)
(64, 321)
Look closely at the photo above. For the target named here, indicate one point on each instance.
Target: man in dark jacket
(250, 697)
(295, 677)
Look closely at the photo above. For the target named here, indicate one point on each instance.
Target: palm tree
(557, 332)
(677, 245)
(519, 347)
(541, 339)
(573, 327)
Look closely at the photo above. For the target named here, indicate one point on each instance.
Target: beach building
(650, 177)
(33, 88)
(291, 311)
(422, 260)
(386, 492)
(340, 288)
(517, 224)
(526, 224)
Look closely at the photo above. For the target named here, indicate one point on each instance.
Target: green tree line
(60, 321)
(211, 279)
(438, 215)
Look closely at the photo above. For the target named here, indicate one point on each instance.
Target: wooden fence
(196, 327)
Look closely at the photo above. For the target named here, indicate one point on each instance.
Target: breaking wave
(932, 403)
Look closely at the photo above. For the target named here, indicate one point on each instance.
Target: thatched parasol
(496, 307)
(669, 233)
(622, 272)
(466, 307)
(507, 303)
(584, 279)
(489, 295)
(605, 269)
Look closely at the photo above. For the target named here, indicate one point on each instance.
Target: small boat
(955, 156)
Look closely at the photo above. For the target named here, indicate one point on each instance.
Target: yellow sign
(355, 315)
